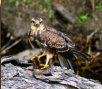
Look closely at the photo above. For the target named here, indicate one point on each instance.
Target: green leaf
(83, 18)
(99, 8)
(28, 1)
(10, 1)
(7, 8)
(79, 21)
(17, 3)
(50, 13)
(19, 14)
(47, 1)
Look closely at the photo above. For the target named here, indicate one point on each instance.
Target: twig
(31, 44)
(9, 47)
(89, 37)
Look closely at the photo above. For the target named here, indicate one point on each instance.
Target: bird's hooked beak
(37, 25)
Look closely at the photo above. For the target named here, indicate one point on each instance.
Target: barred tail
(68, 62)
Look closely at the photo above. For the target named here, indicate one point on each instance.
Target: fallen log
(14, 77)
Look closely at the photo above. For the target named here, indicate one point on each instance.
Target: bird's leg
(43, 54)
(49, 56)
(38, 57)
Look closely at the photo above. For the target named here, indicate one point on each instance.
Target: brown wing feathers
(54, 41)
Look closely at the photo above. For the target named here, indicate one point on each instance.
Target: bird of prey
(53, 43)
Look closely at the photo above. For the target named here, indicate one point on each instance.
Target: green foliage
(10, 1)
(99, 6)
(82, 18)
(48, 2)
(19, 14)
(28, 2)
(80, 9)
(84, 2)
(41, 9)
(95, 17)
(40, 4)
(7, 9)
(50, 13)
(17, 2)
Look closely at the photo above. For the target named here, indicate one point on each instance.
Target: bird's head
(36, 24)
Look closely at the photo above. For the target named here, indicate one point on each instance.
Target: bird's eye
(32, 21)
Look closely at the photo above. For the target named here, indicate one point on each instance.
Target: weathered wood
(14, 77)
(66, 77)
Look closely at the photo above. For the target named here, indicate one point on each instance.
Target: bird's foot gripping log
(36, 60)
(38, 57)
(44, 66)
(49, 56)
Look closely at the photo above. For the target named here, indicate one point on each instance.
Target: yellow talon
(38, 57)
(33, 58)
(44, 66)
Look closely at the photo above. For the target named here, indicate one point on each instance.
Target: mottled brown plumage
(54, 42)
